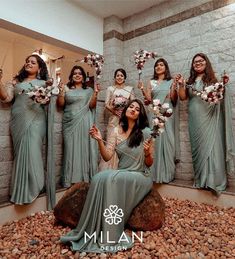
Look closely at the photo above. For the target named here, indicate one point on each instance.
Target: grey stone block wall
(211, 32)
(6, 155)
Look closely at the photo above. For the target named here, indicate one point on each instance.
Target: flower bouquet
(95, 60)
(140, 58)
(119, 102)
(212, 93)
(40, 94)
(161, 114)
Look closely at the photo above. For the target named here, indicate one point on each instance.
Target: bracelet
(147, 155)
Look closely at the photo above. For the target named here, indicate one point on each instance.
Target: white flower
(156, 102)
(204, 96)
(169, 110)
(165, 105)
(30, 94)
(209, 89)
(161, 117)
(55, 91)
(155, 121)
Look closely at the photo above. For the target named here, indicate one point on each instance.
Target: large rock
(149, 214)
(69, 208)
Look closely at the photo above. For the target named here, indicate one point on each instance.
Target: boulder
(148, 215)
(69, 208)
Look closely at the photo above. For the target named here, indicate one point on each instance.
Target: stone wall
(176, 30)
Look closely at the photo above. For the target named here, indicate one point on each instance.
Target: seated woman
(113, 194)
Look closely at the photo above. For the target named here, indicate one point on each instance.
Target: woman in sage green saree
(166, 146)
(80, 154)
(28, 129)
(210, 128)
(113, 194)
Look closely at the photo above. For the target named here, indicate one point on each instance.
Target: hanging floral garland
(161, 113)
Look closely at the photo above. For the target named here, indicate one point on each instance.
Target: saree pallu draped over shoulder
(80, 150)
(28, 129)
(212, 140)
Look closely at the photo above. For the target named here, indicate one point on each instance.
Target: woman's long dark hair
(209, 75)
(167, 75)
(136, 135)
(71, 82)
(43, 74)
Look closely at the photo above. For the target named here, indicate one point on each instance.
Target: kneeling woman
(113, 194)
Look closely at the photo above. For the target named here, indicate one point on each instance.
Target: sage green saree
(112, 196)
(28, 129)
(80, 150)
(212, 140)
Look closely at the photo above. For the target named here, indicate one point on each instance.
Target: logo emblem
(113, 215)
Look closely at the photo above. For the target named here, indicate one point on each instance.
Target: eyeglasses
(199, 61)
(77, 73)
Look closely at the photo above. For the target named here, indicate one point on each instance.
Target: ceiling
(120, 8)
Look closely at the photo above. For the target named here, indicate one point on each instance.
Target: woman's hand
(97, 88)
(61, 88)
(225, 78)
(148, 152)
(95, 133)
(178, 79)
(118, 113)
(140, 85)
(147, 147)
(49, 82)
